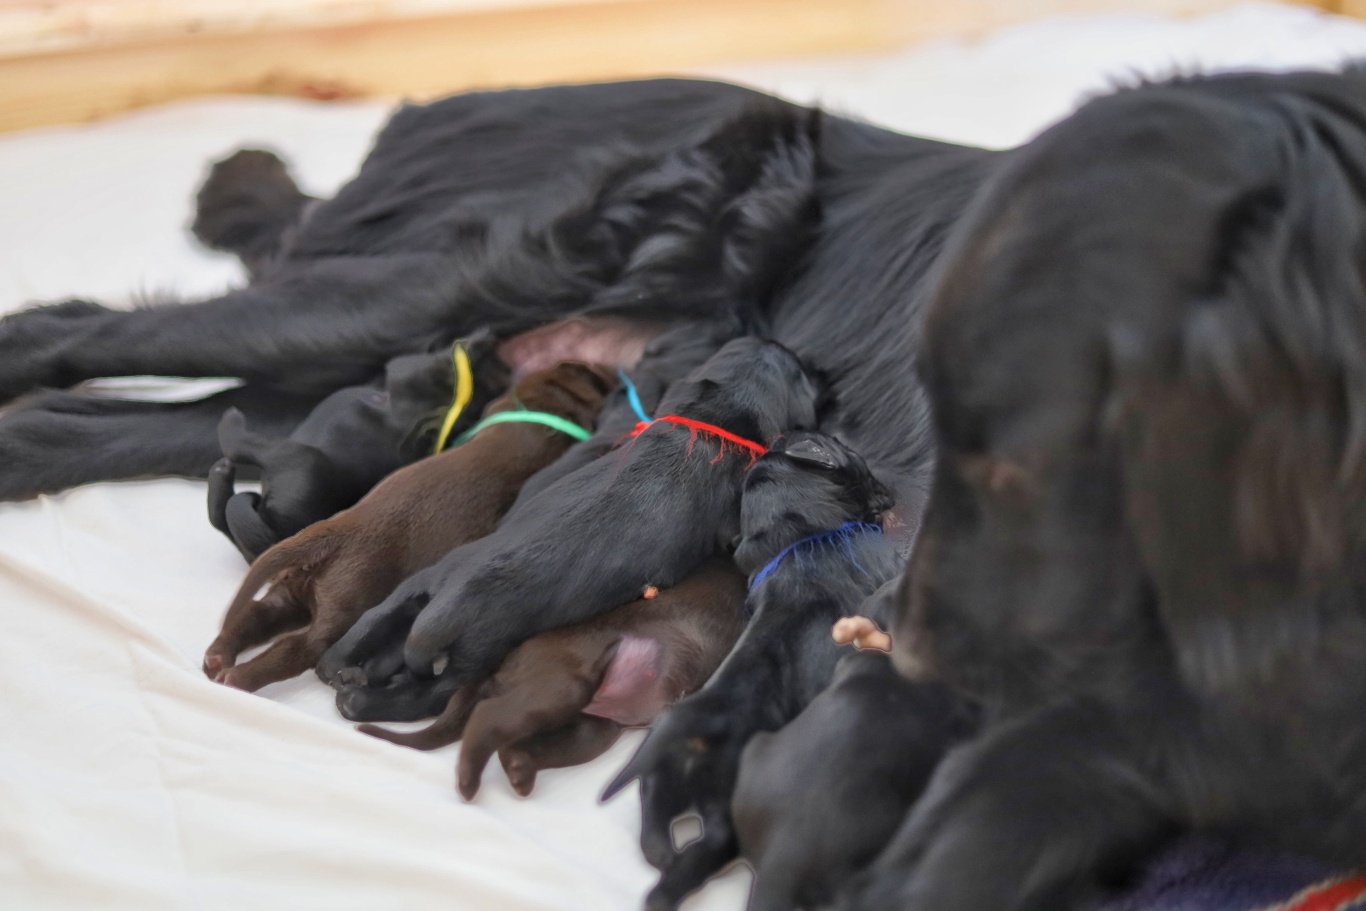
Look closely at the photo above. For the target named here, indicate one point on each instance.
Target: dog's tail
(448, 727)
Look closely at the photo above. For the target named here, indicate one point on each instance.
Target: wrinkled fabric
(127, 779)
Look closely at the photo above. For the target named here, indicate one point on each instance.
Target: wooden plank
(464, 44)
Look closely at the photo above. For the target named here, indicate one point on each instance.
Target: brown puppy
(562, 698)
(326, 576)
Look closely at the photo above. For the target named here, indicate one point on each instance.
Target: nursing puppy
(622, 667)
(351, 440)
(807, 569)
(859, 755)
(326, 576)
(667, 358)
(1144, 546)
(648, 515)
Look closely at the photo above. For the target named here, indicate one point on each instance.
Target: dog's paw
(32, 340)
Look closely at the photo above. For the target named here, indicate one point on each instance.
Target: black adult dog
(629, 205)
(1145, 548)
(648, 515)
(859, 755)
(808, 484)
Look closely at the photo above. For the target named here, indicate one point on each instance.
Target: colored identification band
(700, 427)
(838, 534)
(553, 421)
(633, 396)
(464, 391)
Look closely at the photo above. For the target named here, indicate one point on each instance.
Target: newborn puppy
(623, 667)
(326, 576)
(808, 567)
(667, 358)
(859, 756)
(351, 440)
(647, 516)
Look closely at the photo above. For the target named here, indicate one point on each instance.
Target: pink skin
(592, 340)
(863, 633)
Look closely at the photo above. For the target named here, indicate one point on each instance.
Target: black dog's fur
(858, 756)
(1144, 547)
(507, 210)
(590, 542)
(655, 201)
(807, 483)
(347, 444)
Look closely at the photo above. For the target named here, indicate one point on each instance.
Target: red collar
(697, 427)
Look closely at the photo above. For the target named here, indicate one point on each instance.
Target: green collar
(553, 421)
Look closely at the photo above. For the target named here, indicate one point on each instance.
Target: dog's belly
(593, 340)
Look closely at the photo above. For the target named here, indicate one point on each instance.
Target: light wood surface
(64, 61)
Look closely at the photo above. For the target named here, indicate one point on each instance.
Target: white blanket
(129, 781)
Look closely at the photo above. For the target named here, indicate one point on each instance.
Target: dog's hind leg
(317, 326)
(581, 741)
(507, 717)
(57, 440)
(250, 622)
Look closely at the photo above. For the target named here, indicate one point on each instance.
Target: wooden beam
(76, 60)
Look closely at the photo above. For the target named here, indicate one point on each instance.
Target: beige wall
(65, 61)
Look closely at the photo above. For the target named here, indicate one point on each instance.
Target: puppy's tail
(448, 727)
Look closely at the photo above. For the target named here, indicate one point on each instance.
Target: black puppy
(1145, 548)
(859, 755)
(668, 358)
(347, 444)
(814, 553)
(590, 542)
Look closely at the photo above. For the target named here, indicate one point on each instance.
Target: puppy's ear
(814, 451)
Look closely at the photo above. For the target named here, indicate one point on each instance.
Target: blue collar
(633, 397)
(841, 534)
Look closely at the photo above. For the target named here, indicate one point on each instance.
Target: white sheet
(127, 780)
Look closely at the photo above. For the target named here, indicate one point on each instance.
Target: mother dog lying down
(626, 205)
(1145, 549)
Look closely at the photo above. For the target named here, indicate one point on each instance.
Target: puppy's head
(753, 387)
(1133, 359)
(805, 484)
(421, 387)
(570, 389)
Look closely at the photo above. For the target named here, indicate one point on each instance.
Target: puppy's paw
(520, 770)
(863, 633)
(213, 665)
